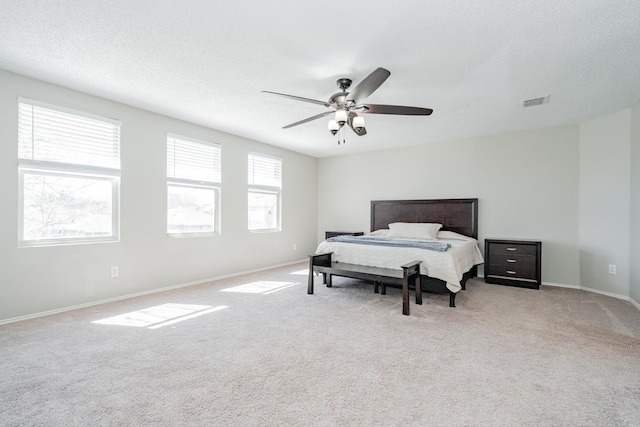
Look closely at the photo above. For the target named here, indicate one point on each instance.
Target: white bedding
(448, 266)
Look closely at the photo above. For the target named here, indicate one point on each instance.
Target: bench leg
(310, 283)
(405, 296)
(328, 280)
(452, 299)
(376, 287)
(321, 260)
(418, 283)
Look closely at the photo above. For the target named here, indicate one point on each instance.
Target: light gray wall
(40, 279)
(634, 283)
(527, 184)
(605, 173)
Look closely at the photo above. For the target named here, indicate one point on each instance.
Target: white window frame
(32, 164)
(214, 183)
(260, 187)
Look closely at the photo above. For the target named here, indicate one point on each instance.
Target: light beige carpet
(257, 350)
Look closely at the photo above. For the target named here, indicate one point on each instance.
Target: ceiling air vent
(535, 101)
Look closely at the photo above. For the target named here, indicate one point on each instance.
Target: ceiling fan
(347, 105)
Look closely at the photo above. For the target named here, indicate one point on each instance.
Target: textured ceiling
(472, 61)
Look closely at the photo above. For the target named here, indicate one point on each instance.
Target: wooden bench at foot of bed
(410, 272)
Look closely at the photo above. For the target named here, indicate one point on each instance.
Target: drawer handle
(511, 260)
(512, 249)
(511, 272)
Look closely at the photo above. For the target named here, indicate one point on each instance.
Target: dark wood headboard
(459, 215)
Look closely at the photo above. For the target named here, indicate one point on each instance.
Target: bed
(440, 271)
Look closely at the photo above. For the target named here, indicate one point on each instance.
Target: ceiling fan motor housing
(339, 100)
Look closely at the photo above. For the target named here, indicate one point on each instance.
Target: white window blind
(193, 160)
(54, 134)
(264, 171)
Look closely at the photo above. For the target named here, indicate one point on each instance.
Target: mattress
(447, 266)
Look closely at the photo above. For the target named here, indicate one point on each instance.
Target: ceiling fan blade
(393, 109)
(368, 85)
(299, 98)
(308, 119)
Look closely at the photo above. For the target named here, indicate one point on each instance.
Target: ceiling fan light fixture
(333, 126)
(358, 123)
(341, 117)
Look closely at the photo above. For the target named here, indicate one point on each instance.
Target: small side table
(513, 262)
(329, 234)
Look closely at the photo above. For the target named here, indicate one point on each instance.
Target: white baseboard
(138, 294)
(597, 291)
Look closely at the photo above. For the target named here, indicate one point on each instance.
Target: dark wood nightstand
(329, 234)
(513, 262)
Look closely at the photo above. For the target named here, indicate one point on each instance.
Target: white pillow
(452, 235)
(414, 230)
(382, 232)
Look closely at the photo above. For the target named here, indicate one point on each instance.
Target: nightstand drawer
(513, 261)
(513, 249)
(516, 271)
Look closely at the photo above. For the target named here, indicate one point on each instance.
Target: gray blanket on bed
(383, 241)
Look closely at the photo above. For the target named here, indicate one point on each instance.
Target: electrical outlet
(612, 269)
(114, 271)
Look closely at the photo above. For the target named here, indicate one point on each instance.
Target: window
(193, 186)
(69, 172)
(265, 184)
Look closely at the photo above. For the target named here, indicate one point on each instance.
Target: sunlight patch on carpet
(261, 287)
(159, 316)
(304, 272)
